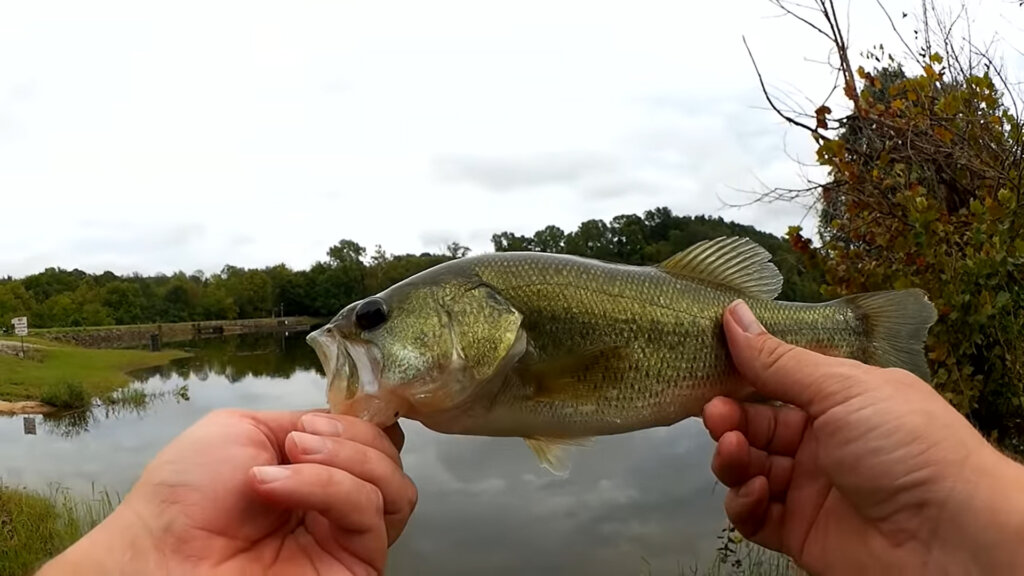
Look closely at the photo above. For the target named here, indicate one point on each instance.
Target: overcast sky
(137, 136)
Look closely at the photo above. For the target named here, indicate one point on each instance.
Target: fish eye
(371, 313)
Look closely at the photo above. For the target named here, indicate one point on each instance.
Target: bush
(924, 190)
(66, 394)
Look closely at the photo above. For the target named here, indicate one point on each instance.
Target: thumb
(781, 371)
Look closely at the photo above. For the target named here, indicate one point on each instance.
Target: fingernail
(742, 315)
(320, 424)
(268, 474)
(309, 444)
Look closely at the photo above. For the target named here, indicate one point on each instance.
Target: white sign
(20, 326)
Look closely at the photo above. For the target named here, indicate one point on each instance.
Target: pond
(632, 502)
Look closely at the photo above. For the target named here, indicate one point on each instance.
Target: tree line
(58, 297)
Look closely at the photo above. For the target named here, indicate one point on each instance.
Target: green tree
(15, 302)
(346, 252)
(456, 250)
(124, 300)
(549, 239)
(593, 239)
(509, 242)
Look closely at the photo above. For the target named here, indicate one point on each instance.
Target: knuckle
(773, 353)
(374, 499)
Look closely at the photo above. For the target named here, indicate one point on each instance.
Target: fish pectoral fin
(553, 453)
(582, 376)
(731, 262)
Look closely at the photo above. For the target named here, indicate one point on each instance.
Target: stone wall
(139, 335)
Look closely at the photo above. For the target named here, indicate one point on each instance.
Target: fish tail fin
(896, 326)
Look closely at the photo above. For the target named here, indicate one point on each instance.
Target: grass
(736, 556)
(65, 374)
(65, 394)
(35, 527)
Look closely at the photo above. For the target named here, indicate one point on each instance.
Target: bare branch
(894, 28)
(771, 102)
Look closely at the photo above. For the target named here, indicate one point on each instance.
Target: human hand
(868, 470)
(244, 492)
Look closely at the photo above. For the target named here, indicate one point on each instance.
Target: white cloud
(136, 136)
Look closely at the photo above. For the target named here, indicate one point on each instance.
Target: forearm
(116, 546)
(989, 533)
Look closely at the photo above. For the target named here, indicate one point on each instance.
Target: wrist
(989, 528)
(118, 545)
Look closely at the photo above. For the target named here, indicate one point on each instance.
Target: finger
(396, 435)
(734, 463)
(350, 428)
(774, 429)
(721, 415)
(778, 370)
(350, 505)
(752, 513)
(275, 425)
(731, 460)
(396, 488)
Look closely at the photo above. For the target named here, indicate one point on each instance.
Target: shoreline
(26, 408)
(53, 376)
(98, 360)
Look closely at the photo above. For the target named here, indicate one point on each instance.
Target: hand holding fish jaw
(868, 470)
(245, 492)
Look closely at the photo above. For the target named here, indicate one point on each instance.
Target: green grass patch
(65, 394)
(129, 397)
(59, 371)
(35, 527)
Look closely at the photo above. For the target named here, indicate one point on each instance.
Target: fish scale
(556, 349)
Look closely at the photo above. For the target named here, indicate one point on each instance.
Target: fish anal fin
(553, 453)
(581, 376)
(731, 262)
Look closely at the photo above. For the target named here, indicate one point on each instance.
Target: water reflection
(136, 399)
(485, 504)
(276, 355)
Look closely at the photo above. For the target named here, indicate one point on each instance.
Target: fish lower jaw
(381, 411)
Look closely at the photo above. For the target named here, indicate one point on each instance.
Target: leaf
(944, 134)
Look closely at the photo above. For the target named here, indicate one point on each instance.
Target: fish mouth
(352, 368)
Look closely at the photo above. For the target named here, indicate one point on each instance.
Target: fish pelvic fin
(731, 262)
(581, 377)
(553, 453)
(896, 326)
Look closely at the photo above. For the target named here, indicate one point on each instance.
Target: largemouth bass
(557, 349)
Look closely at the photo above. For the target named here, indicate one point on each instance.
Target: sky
(155, 137)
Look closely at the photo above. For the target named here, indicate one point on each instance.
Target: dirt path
(14, 348)
(14, 408)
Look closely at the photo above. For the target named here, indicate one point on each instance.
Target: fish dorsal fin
(732, 262)
(552, 453)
